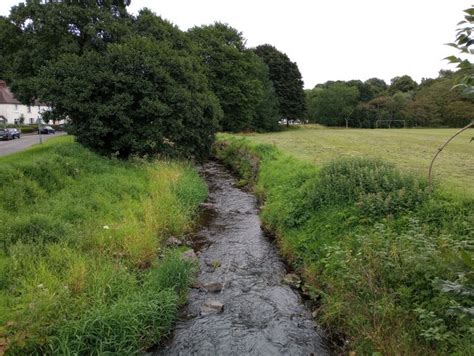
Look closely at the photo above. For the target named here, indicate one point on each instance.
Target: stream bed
(239, 304)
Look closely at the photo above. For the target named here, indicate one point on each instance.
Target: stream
(240, 305)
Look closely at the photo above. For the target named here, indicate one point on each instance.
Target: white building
(12, 110)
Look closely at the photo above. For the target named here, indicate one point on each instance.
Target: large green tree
(404, 84)
(286, 79)
(140, 96)
(332, 105)
(127, 85)
(36, 33)
(238, 78)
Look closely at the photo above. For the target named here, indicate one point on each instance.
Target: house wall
(13, 111)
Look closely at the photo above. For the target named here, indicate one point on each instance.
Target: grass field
(410, 149)
(84, 268)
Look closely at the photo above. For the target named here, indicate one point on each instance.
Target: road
(9, 147)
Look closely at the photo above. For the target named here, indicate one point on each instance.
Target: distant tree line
(138, 85)
(374, 103)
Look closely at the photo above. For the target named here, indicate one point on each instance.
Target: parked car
(6, 134)
(46, 130)
(16, 133)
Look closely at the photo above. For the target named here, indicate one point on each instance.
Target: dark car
(6, 134)
(16, 133)
(46, 130)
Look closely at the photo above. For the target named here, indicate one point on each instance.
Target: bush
(376, 187)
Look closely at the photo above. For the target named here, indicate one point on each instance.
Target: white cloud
(330, 40)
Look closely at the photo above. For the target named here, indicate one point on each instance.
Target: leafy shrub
(376, 187)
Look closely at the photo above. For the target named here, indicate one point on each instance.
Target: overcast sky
(331, 39)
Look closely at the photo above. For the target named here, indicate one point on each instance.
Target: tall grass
(80, 240)
(389, 265)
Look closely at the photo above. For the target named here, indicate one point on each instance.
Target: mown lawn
(409, 149)
(83, 264)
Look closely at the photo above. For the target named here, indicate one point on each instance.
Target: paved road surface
(16, 145)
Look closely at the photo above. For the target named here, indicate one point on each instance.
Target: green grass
(390, 266)
(409, 149)
(83, 267)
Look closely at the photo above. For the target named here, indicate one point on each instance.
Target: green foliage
(287, 81)
(238, 78)
(79, 271)
(433, 103)
(404, 84)
(390, 266)
(439, 104)
(104, 330)
(36, 33)
(129, 86)
(148, 99)
(149, 315)
(463, 43)
(377, 86)
(375, 187)
(332, 105)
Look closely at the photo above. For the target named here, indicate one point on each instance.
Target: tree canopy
(238, 77)
(332, 105)
(404, 84)
(287, 81)
(35, 34)
(432, 103)
(129, 85)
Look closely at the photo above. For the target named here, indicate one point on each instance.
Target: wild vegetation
(84, 268)
(389, 265)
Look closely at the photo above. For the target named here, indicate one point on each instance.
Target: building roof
(7, 97)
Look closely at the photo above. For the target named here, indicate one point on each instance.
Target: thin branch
(430, 174)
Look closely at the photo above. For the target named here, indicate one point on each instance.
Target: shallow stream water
(261, 314)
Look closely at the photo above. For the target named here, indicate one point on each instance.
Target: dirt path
(240, 270)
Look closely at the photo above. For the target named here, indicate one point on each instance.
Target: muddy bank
(240, 304)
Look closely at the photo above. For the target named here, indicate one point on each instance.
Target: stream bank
(239, 304)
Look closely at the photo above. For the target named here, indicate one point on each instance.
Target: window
(32, 121)
(29, 108)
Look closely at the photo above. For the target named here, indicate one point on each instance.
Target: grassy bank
(390, 266)
(410, 150)
(83, 267)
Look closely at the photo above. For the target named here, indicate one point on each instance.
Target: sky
(331, 39)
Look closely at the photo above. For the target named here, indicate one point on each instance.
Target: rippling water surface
(261, 314)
